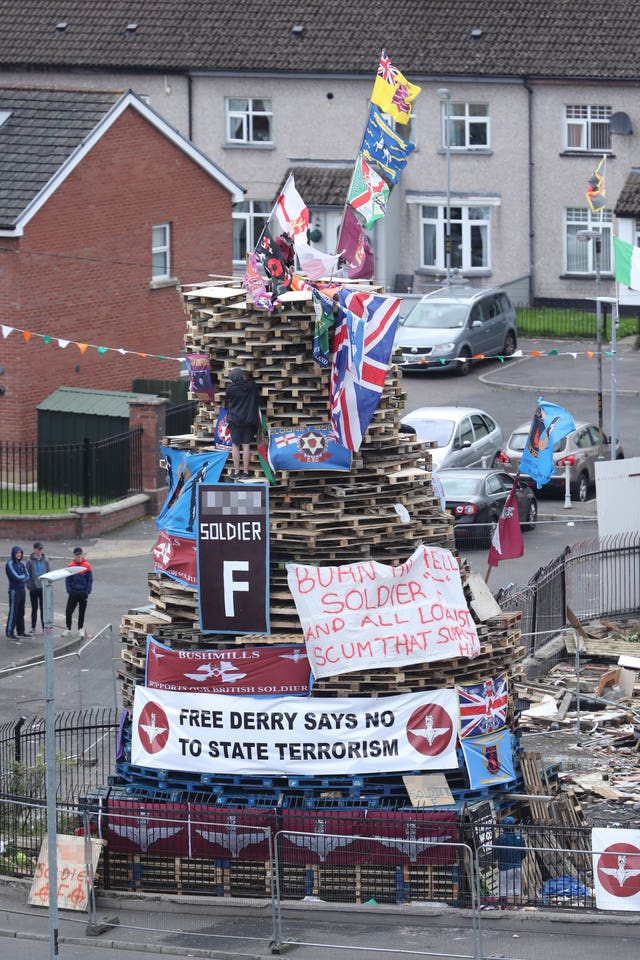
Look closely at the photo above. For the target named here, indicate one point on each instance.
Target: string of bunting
(518, 355)
(82, 347)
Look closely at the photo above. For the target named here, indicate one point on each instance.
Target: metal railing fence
(180, 416)
(40, 477)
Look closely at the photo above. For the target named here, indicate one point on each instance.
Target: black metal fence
(47, 477)
(180, 416)
(599, 577)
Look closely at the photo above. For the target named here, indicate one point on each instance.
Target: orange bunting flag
(27, 335)
(535, 353)
(82, 347)
(590, 354)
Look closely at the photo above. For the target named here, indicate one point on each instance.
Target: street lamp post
(596, 237)
(445, 96)
(48, 580)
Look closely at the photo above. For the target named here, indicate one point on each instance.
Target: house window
(249, 120)
(160, 251)
(468, 125)
(581, 255)
(587, 128)
(249, 220)
(637, 233)
(469, 231)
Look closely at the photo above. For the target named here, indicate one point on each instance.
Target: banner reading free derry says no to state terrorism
(369, 615)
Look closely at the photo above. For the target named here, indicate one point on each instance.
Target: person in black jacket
(242, 404)
(18, 576)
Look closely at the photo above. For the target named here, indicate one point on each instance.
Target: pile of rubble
(579, 700)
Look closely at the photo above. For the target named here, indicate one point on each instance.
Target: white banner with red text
(214, 733)
(369, 615)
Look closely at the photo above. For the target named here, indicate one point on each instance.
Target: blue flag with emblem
(312, 448)
(549, 425)
(385, 148)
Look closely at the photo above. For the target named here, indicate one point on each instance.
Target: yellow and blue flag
(549, 425)
(392, 92)
(385, 148)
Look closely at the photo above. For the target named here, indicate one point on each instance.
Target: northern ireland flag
(483, 706)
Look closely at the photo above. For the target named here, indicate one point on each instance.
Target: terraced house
(531, 94)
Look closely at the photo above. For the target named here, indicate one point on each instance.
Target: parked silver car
(465, 436)
(579, 451)
(447, 328)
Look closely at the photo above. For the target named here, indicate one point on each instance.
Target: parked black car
(475, 499)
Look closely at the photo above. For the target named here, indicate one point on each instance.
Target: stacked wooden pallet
(320, 516)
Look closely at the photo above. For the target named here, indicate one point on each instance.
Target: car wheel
(496, 463)
(532, 516)
(510, 344)
(463, 366)
(581, 488)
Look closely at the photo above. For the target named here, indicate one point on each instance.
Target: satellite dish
(619, 123)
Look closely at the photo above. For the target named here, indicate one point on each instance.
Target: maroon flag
(507, 539)
(354, 246)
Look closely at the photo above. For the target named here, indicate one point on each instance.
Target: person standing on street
(37, 564)
(510, 850)
(242, 404)
(18, 576)
(79, 588)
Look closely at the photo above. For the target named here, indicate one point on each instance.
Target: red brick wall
(84, 267)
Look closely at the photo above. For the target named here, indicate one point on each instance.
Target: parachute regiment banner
(369, 615)
(214, 733)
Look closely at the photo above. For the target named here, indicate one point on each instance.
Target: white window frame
(582, 253)
(246, 116)
(440, 222)
(254, 219)
(459, 113)
(161, 248)
(581, 121)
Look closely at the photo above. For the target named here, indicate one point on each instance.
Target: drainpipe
(532, 245)
(190, 104)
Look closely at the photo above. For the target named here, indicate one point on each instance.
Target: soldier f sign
(233, 558)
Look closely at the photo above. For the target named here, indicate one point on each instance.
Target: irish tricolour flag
(627, 263)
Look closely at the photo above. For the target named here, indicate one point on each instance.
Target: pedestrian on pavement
(79, 587)
(18, 576)
(242, 403)
(510, 850)
(37, 564)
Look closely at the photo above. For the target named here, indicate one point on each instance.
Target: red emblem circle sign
(153, 727)
(429, 729)
(619, 870)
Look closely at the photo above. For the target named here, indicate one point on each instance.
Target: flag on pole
(270, 255)
(323, 309)
(507, 537)
(368, 193)
(291, 211)
(384, 147)
(392, 92)
(354, 246)
(363, 341)
(549, 425)
(315, 263)
(627, 258)
(595, 188)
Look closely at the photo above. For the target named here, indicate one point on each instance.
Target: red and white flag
(507, 538)
(291, 212)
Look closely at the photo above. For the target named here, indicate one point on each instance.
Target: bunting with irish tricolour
(627, 257)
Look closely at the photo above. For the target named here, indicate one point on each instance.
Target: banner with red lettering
(216, 734)
(254, 671)
(368, 615)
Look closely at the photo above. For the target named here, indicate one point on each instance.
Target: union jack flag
(483, 707)
(386, 70)
(363, 340)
